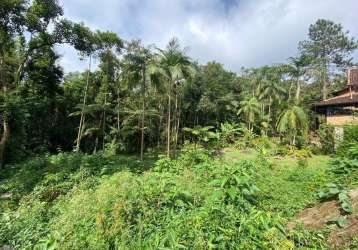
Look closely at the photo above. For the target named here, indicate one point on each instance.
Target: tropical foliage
(149, 149)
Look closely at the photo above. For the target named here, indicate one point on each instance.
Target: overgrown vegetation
(151, 150)
(192, 202)
(239, 200)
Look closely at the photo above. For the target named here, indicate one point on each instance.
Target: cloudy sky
(236, 33)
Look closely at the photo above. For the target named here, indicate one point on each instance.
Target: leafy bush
(334, 191)
(263, 142)
(228, 133)
(235, 185)
(245, 139)
(350, 138)
(292, 151)
(300, 153)
(202, 135)
(326, 137)
(344, 167)
(303, 238)
(350, 134)
(343, 172)
(189, 156)
(302, 162)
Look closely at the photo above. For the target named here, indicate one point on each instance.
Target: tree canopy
(142, 97)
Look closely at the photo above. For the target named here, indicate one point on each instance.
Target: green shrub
(292, 151)
(326, 136)
(246, 138)
(303, 238)
(350, 134)
(302, 162)
(228, 133)
(344, 167)
(343, 172)
(189, 156)
(334, 191)
(162, 210)
(23, 228)
(263, 142)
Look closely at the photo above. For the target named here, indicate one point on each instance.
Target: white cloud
(234, 32)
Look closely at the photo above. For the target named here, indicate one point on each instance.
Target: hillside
(239, 200)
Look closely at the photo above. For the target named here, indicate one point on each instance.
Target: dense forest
(150, 149)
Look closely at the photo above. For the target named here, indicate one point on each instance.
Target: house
(342, 108)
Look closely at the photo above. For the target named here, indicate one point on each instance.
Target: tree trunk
(177, 131)
(143, 114)
(176, 128)
(289, 90)
(160, 129)
(104, 121)
(95, 145)
(82, 119)
(4, 138)
(324, 81)
(324, 89)
(298, 91)
(98, 134)
(168, 119)
(294, 140)
(269, 112)
(118, 115)
(5, 123)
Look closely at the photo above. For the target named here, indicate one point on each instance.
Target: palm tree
(270, 90)
(94, 121)
(293, 121)
(298, 68)
(135, 73)
(84, 102)
(250, 108)
(133, 114)
(88, 49)
(102, 44)
(173, 67)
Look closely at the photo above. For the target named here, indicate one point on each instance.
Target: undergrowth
(193, 202)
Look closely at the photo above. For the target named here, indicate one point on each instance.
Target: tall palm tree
(292, 122)
(250, 109)
(298, 68)
(84, 102)
(94, 121)
(270, 90)
(173, 67)
(102, 44)
(136, 75)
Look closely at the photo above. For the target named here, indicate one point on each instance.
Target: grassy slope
(62, 172)
(287, 187)
(63, 188)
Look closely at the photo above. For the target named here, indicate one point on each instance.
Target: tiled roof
(346, 89)
(342, 97)
(336, 101)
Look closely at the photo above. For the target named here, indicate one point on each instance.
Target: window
(339, 111)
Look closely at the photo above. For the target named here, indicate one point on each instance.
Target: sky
(236, 33)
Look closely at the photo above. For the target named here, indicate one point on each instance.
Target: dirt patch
(318, 216)
(228, 150)
(245, 151)
(340, 238)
